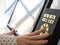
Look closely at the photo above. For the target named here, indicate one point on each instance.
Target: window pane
(26, 26)
(30, 4)
(2, 6)
(9, 3)
(19, 13)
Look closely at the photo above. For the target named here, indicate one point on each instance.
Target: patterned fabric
(7, 40)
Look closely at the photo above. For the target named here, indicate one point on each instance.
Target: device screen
(25, 15)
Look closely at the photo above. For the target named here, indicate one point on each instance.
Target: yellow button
(51, 21)
(41, 33)
(52, 17)
(47, 29)
(46, 15)
(46, 32)
(44, 19)
(45, 25)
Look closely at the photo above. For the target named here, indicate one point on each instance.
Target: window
(24, 14)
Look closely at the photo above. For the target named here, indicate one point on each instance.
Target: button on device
(46, 32)
(50, 21)
(45, 25)
(52, 17)
(47, 29)
(44, 19)
(46, 15)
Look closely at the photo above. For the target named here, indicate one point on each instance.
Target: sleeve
(7, 40)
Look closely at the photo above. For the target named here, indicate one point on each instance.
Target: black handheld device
(50, 19)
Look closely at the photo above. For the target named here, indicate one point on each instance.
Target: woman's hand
(33, 39)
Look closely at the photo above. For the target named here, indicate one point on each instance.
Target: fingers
(39, 37)
(36, 32)
(24, 40)
(32, 40)
(39, 42)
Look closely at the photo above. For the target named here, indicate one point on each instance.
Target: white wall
(56, 4)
